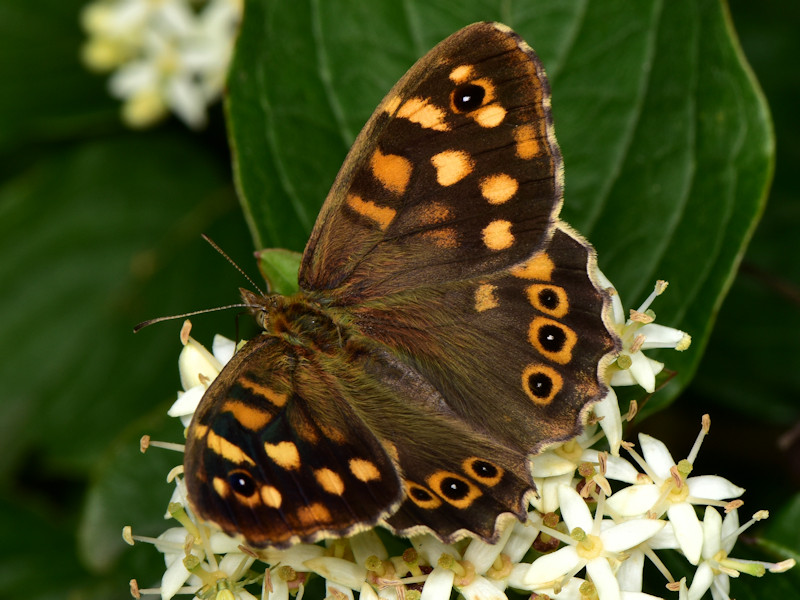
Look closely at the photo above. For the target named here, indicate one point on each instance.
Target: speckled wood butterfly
(447, 327)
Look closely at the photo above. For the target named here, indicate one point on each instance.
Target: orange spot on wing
(462, 73)
(527, 141)
(227, 450)
(271, 496)
(364, 470)
(380, 215)
(499, 188)
(330, 481)
(539, 266)
(452, 166)
(423, 113)
(485, 298)
(393, 171)
(284, 454)
(313, 514)
(442, 238)
(247, 416)
(489, 116)
(497, 235)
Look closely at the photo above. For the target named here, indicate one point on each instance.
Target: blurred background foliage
(667, 151)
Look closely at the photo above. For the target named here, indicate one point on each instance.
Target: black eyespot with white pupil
(552, 338)
(548, 298)
(420, 494)
(468, 97)
(453, 488)
(540, 385)
(242, 483)
(484, 469)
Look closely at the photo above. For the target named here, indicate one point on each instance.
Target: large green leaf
(666, 138)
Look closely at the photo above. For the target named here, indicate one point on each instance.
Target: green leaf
(666, 137)
(48, 95)
(279, 268)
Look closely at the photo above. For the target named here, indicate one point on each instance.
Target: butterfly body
(448, 326)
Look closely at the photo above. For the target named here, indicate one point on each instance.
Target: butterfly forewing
(456, 175)
(276, 460)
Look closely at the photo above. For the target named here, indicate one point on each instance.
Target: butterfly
(448, 325)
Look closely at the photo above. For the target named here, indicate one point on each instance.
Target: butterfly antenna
(149, 322)
(213, 244)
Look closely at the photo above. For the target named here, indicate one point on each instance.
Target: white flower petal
(607, 410)
(660, 336)
(547, 489)
(617, 310)
(688, 530)
(629, 573)
(294, 556)
(701, 581)
(223, 348)
(280, 589)
(643, 371)
(439, 584)
(220, 543)
(729, 525)
(483, 555)
(550, 464)
(173, 579)
(431, 549)
(712, 532)
(721, 587)
(522, 536)
(481, 588)
(231, 562)
(629, 534)
(657, 456)
(664, 539)
(551, 567)
(634, 500)
(337, 590)
(338, 570)
(366, 544)
(573, 509)
(713, 487)
(516, 578)
(187, 402)
(194, 361)
(619, 469)
(603, 578)
(622, 378)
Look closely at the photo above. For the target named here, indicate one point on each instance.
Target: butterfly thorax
(300, 319)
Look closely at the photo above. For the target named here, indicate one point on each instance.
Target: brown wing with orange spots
(277, 455)
(456, 175)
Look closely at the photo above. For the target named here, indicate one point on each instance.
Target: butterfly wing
(457, 174)
(276, 454)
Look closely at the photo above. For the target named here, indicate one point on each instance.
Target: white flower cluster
(583, 539)
(167, 55)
